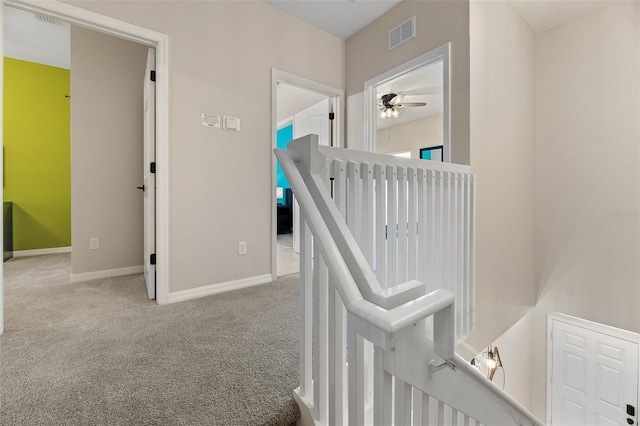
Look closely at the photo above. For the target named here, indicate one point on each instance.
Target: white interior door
(594, 377)
(149, 176)
(311, 121)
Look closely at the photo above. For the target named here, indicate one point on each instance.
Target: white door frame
(114, 27)
(279, 76)
(438, 54)
(589, 325)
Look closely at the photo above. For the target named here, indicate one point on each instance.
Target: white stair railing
(386, 248)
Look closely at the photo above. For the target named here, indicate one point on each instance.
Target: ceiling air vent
(47, 19)
(403, 32)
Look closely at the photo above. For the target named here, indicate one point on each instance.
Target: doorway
(299, 107)
(110, 26)
(407, 108)
(592, 373)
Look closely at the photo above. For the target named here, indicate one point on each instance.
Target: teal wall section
(283, 136)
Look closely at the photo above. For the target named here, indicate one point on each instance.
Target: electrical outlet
(242, 248)
(94, 243)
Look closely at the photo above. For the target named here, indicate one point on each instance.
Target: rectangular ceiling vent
(47, 19)
(403, 32)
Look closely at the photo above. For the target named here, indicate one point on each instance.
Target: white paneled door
(594, 376)
(149, 176)
(312, 121)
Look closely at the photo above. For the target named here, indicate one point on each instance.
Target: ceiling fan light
(388, 112)
(395, 113)
(382, 114)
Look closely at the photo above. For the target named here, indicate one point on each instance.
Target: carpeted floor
(101, 353)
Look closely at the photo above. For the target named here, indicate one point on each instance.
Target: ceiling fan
(392, 102)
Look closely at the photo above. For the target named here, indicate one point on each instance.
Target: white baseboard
(107, 273)
(194, 293)
(41, 252)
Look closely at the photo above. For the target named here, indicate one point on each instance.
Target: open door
(311, 121)
(149, 167)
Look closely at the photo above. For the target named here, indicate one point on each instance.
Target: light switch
(231, 123)
(209, 120)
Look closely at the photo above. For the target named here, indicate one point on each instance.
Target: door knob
(141, 187)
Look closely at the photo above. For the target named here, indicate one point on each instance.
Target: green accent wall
(37, 162)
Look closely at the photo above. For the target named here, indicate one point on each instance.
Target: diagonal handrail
(359, 290)
(343, 256)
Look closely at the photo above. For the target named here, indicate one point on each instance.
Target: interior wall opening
(37, 53)
(407, 108)
(299, 107)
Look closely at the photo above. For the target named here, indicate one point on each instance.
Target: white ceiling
(291, 100)
(342, 18)
(35, 40)
(543, 15)
(31, 39)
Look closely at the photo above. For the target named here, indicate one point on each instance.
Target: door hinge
(332, 115)
(153, 259)
(152, 167)
(153, 76)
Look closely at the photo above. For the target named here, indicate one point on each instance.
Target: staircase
(386, 291)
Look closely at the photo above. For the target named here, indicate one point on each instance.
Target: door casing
(114, 27)
(279, 76)
(438, 54)
(589, 325)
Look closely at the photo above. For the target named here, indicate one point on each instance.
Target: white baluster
(423, 255)
(472, 255)
(306, 309)
(356, 378)
(381, 225)
(392, 227)
(316, 327)
(412, 228)
(337, 328)
(323, 347)
(424, 420)
(383, 383)
(402, 225)
(368, 210)
(441, 413)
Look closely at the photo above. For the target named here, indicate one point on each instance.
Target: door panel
(594, 376)
(149, 177)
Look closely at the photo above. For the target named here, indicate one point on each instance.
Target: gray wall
(367, 56)
(220, 59)
(411, 136)
(106, 150)
(502, 158)
(587, 167)
(586, 176)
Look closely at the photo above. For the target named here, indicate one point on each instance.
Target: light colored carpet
(101, 353)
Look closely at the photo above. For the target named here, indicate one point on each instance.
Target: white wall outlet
(94, 243)
(242, 248)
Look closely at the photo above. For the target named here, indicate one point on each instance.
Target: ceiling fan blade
(412, 104)
(396, 100)
(433, 90)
